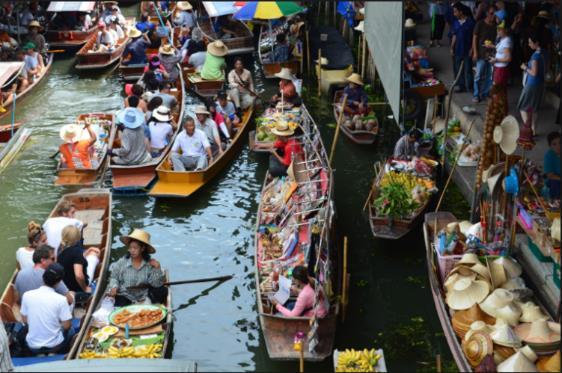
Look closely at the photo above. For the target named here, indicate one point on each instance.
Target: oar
(57, 51)
(220, 278)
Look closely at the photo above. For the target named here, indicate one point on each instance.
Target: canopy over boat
(7, 70)
(71, 6)
(114, 365)
(220, 8)
(333, 45)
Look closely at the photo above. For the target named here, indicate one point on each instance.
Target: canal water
(212, 234)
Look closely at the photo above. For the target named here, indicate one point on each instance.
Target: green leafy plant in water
(394, 201)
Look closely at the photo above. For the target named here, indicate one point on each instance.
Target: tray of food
(138, 316)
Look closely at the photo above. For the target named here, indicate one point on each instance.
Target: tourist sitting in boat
(108, 10)
(156, 67)
(35, 238)
(6, 364)
(357, 99)
(185, 16)
(79, 263)
(209, 127)
(64, 217)
(135, 90)
(105, 41)
(144, 25)
(151, 85)
(135, 51)
(33, 61)
(47, 315)
(84, 22)
(116, 15)
(76, 151)
(241, 86)
(31, 278)
(552, 165)
(199, 55)
(194, 44)
(407, 146)
(283, 150)
(116, 30)
(154, 103)
(304, 305)
(191, 149)
(169, 58)
(133, 150)
(36, 38)
(137, 268)
(224, 131)
(161, 130)
(213, 68)
(168, 100)
(227, 110)
(287, 90)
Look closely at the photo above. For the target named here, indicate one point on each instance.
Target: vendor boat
(93, 208)
(183, 184)
(137, 178)
(69, 39)
(362, 137)
(89, 176)
(202, 87)
(272, 68)
(303, 213)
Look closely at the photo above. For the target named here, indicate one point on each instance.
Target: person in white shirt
(47, 315)
(503, 57)
(35, 237)
(161, 130)
(117, 15)
(209, 127)
(185, 16)
(53, 226)
(194, 147)
(105, 40)
(116, 30)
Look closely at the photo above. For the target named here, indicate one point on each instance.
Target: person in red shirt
(283, 150)
(287, 90)
(75, 151)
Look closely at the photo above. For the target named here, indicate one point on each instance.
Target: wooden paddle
(56, 51)
(146, 286)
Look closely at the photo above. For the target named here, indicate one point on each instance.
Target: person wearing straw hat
(357, 99)
(133, 149)
(35, 37)
(135, 51)
(283, 150)
(204, 123)
(185, 16)
(161, 130)
(191, 149)
(213, 68)
(169, 58)
(76, 151)
(287, 90)
(137, 268)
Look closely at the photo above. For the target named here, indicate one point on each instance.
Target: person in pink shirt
(305, 300)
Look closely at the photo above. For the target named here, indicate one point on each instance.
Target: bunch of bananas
(120, 353)
(90, 354)
(152, 351)
(407, 180)
(357, 361)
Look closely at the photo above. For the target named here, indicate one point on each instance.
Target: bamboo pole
(359, 59)
(377, 168)
(307, 53)
(364, 56)
(319, 72)
(447, 113)
(344, 280)
(438, 363)
(301, 360)
(337, 133)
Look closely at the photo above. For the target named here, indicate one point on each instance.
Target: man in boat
(168, 100)
(116, 30)
(116, 15)
(133, 150)
(228, 111)
(209, 127)
(185, 17)
(36, 38)
(169, 58)
(47, 315)
(357, 99)
(287, 90)
(195, 149)
(197, 54)
(76, 151)
(213, 68)
(54, 226)
(32, 278)
(283, 150)
(281, 48)
(135, 51)
(241, 86)
(134, 269)
(107, 12)
(33, 61)
(408, 145)
(105, 41)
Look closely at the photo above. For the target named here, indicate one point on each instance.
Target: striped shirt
(123, 275)
(5, 359)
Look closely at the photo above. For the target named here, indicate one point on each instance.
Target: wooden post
(301, 360)
(364, 56)
(447, 113)
(340, 118)
(344, 281)
(438, 363)
(319, 72)
(308, 54)
(359, 59)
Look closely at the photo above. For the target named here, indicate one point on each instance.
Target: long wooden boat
(9, 101)
(272, 68)
(69, 39)
(133, 72)
(314, 227)
(362, 137)
(183, 184)
(93, 207)
(241, 43)
(201, 87)
(137, 178)
(9, 150)
(89, 176)
(115, 365)
(6, 131)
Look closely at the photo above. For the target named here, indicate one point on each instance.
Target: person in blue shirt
(357, 99)
(552, 165)
(461, 45)
(144, 24)
(281, 49)
(533, 89)
(135, 51)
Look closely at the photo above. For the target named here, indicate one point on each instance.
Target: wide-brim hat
(531, 312)
(184, 5)
(361, 26)
(477, 347)
(409, 23)
(543, 14)
(549, 363)
(506, 134)
(478, 326)
(167, 49)
(355, 78)
(504, 335)
(466, 293)
(282, 129)
(469, 259)
(217, 48)
(130, 117)
(511, 313)
(141, 236)
(285, 73)
(521, 361)
(497, 273)
(70, 133)
(135, 32)
(162, 113)
(462, 320)
(511, 267)
(35, 23)
(497, 299)
(539, 332)
(515, 283)
(454, 277)
(201, 110)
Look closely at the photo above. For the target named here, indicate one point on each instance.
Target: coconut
(348, 124)
(358, 124)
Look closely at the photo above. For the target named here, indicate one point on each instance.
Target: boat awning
(71, 6)
(7, 70)
(220, 8)
(113, 365)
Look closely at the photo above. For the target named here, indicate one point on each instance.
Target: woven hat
(282, 129)
(540, 332)
(135, 33)
(504, 335)
(200, 109)
(35, 23)
(464, 226)
(498, 299)
(184, 5)
(515, 283)
(130, 117)
(531, 312)
(511, 267)
(454, 277)
(549, 363)
(167, 49)
(462, 320)
(506, 134)
(162, 113)
(361, 26)
(478, 326)
(469, 259)
(217, 48)
(521, 361)
(555, 229)
(409, 23)
(501, 353)
(141, 236)
(481, 270)
(70, 133)
(543, 14)
(466, 293)
(285, 73)
(497, 273)
(355, 78)
(477, 347)
(511, 313)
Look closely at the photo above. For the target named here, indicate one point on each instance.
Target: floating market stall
(267, 121)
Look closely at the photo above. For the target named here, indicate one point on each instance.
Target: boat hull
(358, 137)
(6, 131)
(69, 39)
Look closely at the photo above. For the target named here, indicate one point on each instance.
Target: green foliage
(394, 201)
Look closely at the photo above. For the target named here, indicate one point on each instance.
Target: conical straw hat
(497, 273)
(506, 134)
(141, 236)
(531, 312)
(452, 278)
(514, 284)
(549, 363)
(504, 335)
(511, 267)
(466, 293)
(479, 326)
(539, 331)
(355, 78)
(469, 259)
(477, 347)
(217, 48)
(518, 362)
(510, 313)
(481, 270)
(462, 320)
(496, 300)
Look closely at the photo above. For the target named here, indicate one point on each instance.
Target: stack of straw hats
(463, 320)
(542, 335)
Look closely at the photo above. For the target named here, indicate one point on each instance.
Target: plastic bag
(101, 316)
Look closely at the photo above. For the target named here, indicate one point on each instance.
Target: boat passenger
(304, 306)
(287, 90)
(23, 80)
(137, 268)
(281, 49)
(7, 42)
(116, 15)
(209, 127)
(35, 238)
(217, 117)
(133, 150)
(169, 58)
(36, 38)
(65, 216)
(283, 150)
(31, 278)
(137, 91)
(156, 67)
(213, 68)
(185, 17)
(84, 22)
(33, 62)
(191, 149)
(76, 152)
(134, 102)
(241, 86)
(6, 364)
(227, 110)
(105, 41)
(357, 99)
(408, 145)
(151, 85)
(135, 51)
(107, 12)
(47, 315)
(198, 57)
(168, 100)
(161, 130)
(116, 30)
(552, 165)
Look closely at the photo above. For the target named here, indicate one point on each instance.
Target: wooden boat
(137, 178)
(93, 207)
(6, 131)
(183, 184)
(89, 60)
(69, 39)
(88, 176)
(133, 72)
(362, 137)
(115, 365)
(315, 191)
(201, 87)
(272, 68)
(9, 150)
(8, 104)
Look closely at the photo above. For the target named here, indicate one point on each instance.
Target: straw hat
(464, 226)
(200, 109)
(501, 353)
(469, 259)
(543, 14)
(531, 312)
(480, 269)
(167, 49)
(478, 326)
(361, 26)
(510, 313)
(355, 78)
(549, 363)
(515, 283)
(141, 236)
(466, 293)
(496, 300)
(35, 23)
(506, 134)
(162, 113)
(454, 277)
(217, 48)
(504, 335)
(409, 23)
(462, 320)
(184, 5)
(70, 133)
(511, 267)
(282, 129)
(521, 361)
(285, 73)
(555, 229)
(477, 347)
(135, 33)
(540, 332)
(497, 273)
